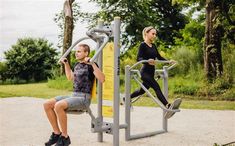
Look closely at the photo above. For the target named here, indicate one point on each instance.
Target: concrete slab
(23, 123)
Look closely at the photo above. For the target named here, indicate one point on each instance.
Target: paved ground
(23, 123)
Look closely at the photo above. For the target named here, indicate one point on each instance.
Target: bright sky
(34, 18)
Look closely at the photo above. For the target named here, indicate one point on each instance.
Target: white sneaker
(174, 105)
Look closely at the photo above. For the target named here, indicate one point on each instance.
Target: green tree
(30, 59)
(66, 20)
(219, 32)
(137, 14)
(191, 42)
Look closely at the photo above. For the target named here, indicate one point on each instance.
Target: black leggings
(149, 81)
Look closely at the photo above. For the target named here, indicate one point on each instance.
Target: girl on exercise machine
(148, 51)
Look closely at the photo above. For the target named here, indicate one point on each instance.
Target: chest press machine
(101, 35)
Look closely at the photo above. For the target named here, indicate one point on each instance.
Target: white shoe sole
(174, 105)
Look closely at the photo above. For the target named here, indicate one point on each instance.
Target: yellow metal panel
(108, 85)
(93, 91)
(108, 70)
(107, 111)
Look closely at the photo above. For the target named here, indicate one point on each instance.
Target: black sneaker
(63, 141)
(53, 139)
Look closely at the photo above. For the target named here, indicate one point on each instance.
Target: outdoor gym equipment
(101, 36)
(107, 56)
(135, 73)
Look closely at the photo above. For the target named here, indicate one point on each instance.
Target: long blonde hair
(146, 30)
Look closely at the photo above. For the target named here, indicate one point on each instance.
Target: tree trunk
(212, 47)
(68, 28)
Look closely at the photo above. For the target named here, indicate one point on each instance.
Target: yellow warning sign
(108, 85)
(108, 70)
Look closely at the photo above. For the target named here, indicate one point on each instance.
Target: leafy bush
(185, 85)
(60, 82)
(15, 81)
(218, 87)
(30, 59)
(128, 58)
(187, 90)
(228, 95)
(228, 63)
(3, 69)
(186, 59)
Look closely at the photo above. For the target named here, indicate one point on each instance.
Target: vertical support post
(127, 102)
(116, 30)
(99, 100)
(165, 85)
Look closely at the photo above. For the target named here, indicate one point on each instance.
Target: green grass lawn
(41, 90)
(193, 104)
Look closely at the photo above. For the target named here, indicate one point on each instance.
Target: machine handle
(156, 61)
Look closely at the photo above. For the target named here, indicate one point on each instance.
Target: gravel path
(23, 123)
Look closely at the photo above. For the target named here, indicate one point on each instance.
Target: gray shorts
(77, 101)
